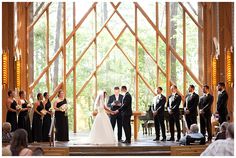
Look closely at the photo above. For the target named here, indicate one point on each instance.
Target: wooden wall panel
(8, 44)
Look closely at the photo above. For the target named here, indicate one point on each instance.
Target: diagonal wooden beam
(131, 30)
(45, 70)
(186, 67)
(191, 16)
(99, 65)
(40, 15)
(59, 86)
(171, 48)
(150, 21)
(91, 42)
(58, 52)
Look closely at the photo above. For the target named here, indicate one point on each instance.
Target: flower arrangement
(18, 107)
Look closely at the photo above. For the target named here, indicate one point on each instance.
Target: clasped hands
(114, 112)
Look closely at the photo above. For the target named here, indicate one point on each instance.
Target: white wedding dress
(101, 132)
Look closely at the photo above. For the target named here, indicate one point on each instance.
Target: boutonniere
(176, 95)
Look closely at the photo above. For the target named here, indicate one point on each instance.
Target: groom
(126, 112)
(114, 103)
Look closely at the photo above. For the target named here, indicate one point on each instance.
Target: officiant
(114, 103)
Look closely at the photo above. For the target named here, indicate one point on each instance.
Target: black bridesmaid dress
(12, 116)
(46, 122)
(24, 121)
(61, 123)
(37, 124)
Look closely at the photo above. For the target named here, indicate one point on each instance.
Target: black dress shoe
(126, 142)
(164, 139)
(177, 140)
(171, 139)
(120, 140)
(156, 139)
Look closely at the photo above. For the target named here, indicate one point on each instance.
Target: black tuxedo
(222, 106)
(116, 118)
(159, 118)
(205, 104)
(126, 112)
(191, 105)
(174, 117)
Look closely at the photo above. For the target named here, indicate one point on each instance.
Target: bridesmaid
(37, 119)
(47, 117)
(11, 110)
(60, 107)
(23, 117)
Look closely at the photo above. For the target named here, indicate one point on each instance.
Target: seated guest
(38, 152)
(6, 132)
(222, 147)
(193, 136)
(19, 143)
(222, 133)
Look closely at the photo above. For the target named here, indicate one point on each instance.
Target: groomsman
(158, 114)
(114, 103)
(173, 103)
(205, 104)
(126, 113)
(222, 103)
(190, 106)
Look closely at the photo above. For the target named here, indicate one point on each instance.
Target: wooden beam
(168, 55)
(155, 27)
(74, 70)
(157, 45)
(80, 23)
(64, 48)
(54, 94)
(47, 48)
(40, 15)
(136, 74)
(184, 50)
(95, 51)
(190, 15)
(45, 70)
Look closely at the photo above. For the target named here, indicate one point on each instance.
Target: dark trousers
(174, 119)
(205, 122)
(222, 118)
(159, 121)
(118, 119)
(191, 119)
(127, 127)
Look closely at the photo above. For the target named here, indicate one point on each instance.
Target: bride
(102, 132)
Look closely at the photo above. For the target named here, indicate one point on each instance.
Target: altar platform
(144, 146)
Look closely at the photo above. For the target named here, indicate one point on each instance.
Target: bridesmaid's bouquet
(43, 111)
(18, 107)
(29, 105)
(63, 108)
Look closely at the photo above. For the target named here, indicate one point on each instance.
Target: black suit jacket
(160, 105)
(175, 104)
(206, 103)
(222, 103)
(111, 99)
(126, 108)
(192, 103)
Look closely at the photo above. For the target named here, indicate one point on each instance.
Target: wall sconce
(18, 67)
(228, 61)
(214, 70)
(5, 68)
